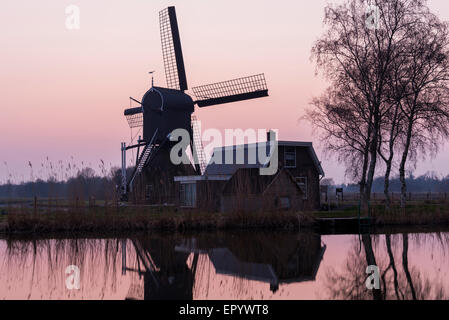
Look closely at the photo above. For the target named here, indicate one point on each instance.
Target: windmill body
(163, 110)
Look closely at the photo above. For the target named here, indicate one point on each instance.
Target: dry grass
(423, 214)
(119, 219)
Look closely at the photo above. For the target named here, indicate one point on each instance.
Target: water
(251, 265)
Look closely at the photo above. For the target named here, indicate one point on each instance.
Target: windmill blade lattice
(231, 91)
(134, 117)
(171, 50)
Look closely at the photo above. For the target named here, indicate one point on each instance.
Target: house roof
(222, 168)
(225, 262)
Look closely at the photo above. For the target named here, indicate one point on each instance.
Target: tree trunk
(393, 265)
(363, 179)
(371, 261)
(395, 124)
(387, 185)
(404, 162)
(405, 264)
(373, 161)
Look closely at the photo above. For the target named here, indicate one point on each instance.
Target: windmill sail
(171, 50)
(246, 88)
(134, 117)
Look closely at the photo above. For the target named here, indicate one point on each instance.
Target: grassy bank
(120, 219)
(413, 214)
(100, 218)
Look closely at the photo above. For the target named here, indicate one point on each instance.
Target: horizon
(64, 91)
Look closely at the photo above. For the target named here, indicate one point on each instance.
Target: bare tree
(379, 80)
(387, 144)
(423, 91)
(343, 121)
(363, 57)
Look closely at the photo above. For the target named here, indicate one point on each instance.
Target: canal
(226, 265)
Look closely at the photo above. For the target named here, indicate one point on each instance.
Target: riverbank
(26, 220)
(414, 214)
(124, 219)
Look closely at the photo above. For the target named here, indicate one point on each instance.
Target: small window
(188, 195)
(302, 184)
(290, 157)
(285, 203)
(148, 191)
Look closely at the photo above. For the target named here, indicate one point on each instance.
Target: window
(188, 195)
(148, 191)
(290, 157)
(302, 184)
(285, 202)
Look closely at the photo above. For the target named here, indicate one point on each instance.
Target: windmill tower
(163, 110)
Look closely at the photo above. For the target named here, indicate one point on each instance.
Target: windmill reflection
(167, 267)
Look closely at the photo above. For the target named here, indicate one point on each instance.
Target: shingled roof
(221, 168)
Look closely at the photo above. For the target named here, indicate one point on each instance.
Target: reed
(138, 218)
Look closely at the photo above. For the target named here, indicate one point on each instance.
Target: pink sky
(63, 92)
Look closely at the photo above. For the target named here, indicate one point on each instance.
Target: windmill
(163, 110)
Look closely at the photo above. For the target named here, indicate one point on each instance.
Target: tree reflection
(348, 282)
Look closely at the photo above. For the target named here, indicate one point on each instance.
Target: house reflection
(168, 266)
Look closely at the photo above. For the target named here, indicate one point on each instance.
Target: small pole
(152, 78)
(124, 257)
(138, 151)
(124, 180)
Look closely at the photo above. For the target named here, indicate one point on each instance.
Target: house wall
(305, 167)
(207, 194)
(281, 187)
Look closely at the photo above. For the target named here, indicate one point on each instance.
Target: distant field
(379, 198)
(50, 202)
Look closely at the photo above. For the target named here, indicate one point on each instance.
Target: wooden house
(233, 180)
